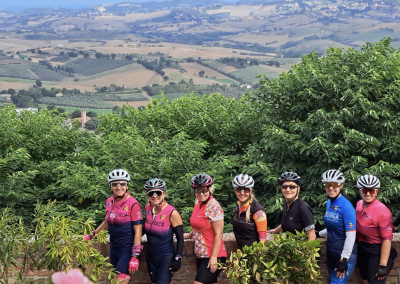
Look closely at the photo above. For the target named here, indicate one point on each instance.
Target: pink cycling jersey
(203, 233)
(121, 216)
(374, 224)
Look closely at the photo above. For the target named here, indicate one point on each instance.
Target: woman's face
(289, 189)
(333, 189)
(119, 187)
(368, 194)
(156, 196)
(202, 193)
(243, 194)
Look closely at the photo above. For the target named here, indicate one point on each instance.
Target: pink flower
(74, 276)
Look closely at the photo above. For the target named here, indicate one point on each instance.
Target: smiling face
(119, 187)
(289, 190)
(202, 193)
(156, 196)
(243, 194)
(368, 195)
(333, 189)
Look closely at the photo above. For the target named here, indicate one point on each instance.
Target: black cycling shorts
(158, 267)
(204, 274)
(368, 267)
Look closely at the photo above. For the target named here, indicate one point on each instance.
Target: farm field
(249, 74)
(70, 110)
(194, 68)
(135, 104)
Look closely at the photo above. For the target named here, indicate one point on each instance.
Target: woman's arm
(137, 240)
(260, 218)
(311, 235)
(385, 253)
(277, 230)
(103, 226)
(218, 227)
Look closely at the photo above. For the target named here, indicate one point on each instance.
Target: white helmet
(118, 174)
(333, 176)
(243, 181)
(368, 181)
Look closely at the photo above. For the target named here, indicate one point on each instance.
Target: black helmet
(289, 176)
(155, 183)
(201, 180)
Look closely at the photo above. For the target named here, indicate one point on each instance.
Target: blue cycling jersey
(340, 217)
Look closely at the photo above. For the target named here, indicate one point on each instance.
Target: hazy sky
(71, 4)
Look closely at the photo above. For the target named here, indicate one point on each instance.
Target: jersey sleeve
(214, 211)
(349, 217)
(307, 218)
(385, 225)
(136, 214)
(260, 218)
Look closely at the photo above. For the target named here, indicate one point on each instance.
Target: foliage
(89, 67)
(55, 244)
(284, 259)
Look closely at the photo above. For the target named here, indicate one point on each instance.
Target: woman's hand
(277, 230)
(188, 236)
(212, 264)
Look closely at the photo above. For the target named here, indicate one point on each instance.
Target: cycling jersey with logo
(203, 233)
(121, 216)
(374, 224)
(299, 217)
(159, 231)
(340, 217)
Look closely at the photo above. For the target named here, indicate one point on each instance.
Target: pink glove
(89, 237)
(133, 264)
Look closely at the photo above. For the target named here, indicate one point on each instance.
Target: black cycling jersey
(299, 217)
(246, 233)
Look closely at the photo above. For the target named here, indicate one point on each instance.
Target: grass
(249, 74)
(26, 81)
(18, 71)
(213, 63)
(226, 81)
(89, 67)
(171, 96)
(70, 110)
(130, 95)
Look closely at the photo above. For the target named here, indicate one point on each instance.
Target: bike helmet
(118, 174)
(243, 181)
(289, 176)
(201, 180)
(333, 176)
(155, 183)
(368, 181)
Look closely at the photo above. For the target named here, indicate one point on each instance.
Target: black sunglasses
(157, 192)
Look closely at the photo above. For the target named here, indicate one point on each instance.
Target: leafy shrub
(285, 259)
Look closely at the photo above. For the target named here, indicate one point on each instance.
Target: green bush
(285, 259)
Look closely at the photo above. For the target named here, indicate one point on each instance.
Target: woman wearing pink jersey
(162, 222)
(207, 223)
(124, 224)
(374, 233)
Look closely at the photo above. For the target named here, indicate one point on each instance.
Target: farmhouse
(7, 96)
(59, 94)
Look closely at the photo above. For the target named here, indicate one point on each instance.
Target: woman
(162, 222)
(207, 223)
(340, 222)
(297, 214)
(374, 233)
(250, 221)
(124, 224)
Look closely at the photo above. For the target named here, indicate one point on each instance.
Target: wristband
(136, 250)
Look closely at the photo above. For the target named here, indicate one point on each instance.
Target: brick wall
(188, 271)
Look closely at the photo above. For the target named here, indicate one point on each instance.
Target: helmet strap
(336, 197)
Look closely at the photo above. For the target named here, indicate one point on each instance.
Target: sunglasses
(328, 185)
(240, 189)
(154, 193)
(122, 184)
(291, 187)
(201, 190)
(365, 190)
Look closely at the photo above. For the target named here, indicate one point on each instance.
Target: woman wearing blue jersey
(340, 222)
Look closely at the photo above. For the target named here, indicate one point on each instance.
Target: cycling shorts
(368, 267)
(204, 274)
(158, 267)
(332, 258)
(120, 257)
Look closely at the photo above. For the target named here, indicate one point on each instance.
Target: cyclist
(124, 224)
(162, 222)
(340, 222)
(250, 221)
(374, 233)
(207, 223)
(297, 214)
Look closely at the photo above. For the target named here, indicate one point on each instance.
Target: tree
(201, 73)
(113, 55)
(38, 83)
(11, 91)
(91, 114)
(165, 78)
(90, 125)
(77, 113)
